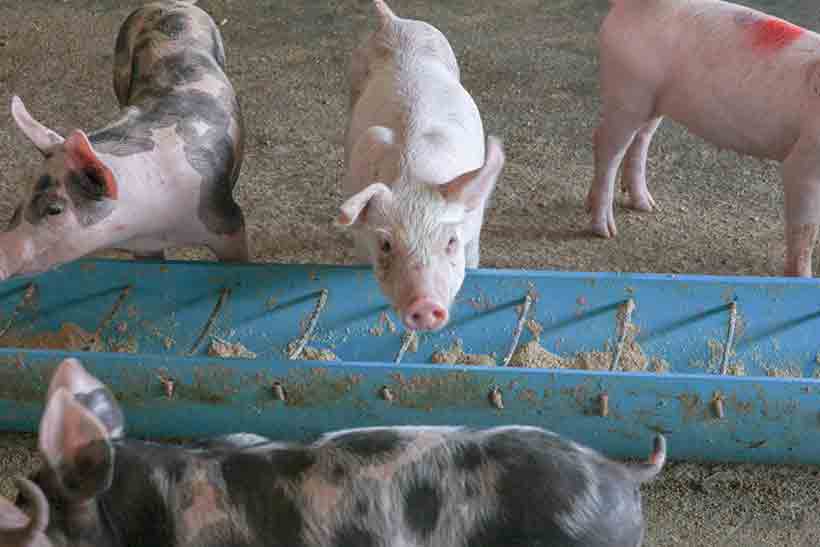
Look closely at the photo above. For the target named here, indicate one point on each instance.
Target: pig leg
(633, 178)
(612, 139)
(801, 186)
(232, 247)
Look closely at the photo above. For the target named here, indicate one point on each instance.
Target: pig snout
(425, 314)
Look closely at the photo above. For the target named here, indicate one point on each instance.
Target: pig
(418, 173)
(160, 175)
(398, 486)
(734, 76)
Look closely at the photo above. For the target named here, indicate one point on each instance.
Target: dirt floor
(531, 67)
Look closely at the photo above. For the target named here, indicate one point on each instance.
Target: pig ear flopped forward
(72, 376)
(80, 155)
(474, 187)
(14, 530)
(18, 529)
(41, 136)
(76, 446)
(354, 209)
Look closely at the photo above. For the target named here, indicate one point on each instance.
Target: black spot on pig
(255, 487)
(468, 457)
(46, 200)
(211, 153)
(184, 67)
(539, 478)
(362, 508)
(338, 474)
(154, 78)
(44, 183)
(15, 219)
(370, 444)
(174, 25)
(422, 508)
(353, 535)
(87, 190)
(136, 507)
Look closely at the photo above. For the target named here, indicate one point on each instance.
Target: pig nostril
(439, 314)
(416, 317)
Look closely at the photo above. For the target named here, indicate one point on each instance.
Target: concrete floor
(531, 66)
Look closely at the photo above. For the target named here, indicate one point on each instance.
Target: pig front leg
(231, 247)
(633, 178)
(801, 186)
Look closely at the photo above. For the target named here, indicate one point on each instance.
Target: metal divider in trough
(727, 368)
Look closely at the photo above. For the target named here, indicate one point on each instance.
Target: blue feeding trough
(727, 368)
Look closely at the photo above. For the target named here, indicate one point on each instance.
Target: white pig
(418, 173)
(739, 78)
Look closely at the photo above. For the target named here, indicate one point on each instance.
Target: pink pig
(739, 78)
(418, 172)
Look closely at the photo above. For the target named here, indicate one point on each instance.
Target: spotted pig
(418, 171)
(739, 78)
(371, 487)
(161, 175)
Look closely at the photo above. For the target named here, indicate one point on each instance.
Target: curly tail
(644, 472)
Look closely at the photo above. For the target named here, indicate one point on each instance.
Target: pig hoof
(605, 229)
(644, 204)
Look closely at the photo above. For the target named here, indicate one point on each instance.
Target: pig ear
(81, 156)
(76, 446)
(17, 529)
(474, 187)
(41, 136)
(91, 393)
(355, 208)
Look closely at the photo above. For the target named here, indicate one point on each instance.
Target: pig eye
(385, 247)
(54, 209)
(451, 245)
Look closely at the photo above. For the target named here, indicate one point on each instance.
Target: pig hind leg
(633, 177)
(801, 186)
(613, 137)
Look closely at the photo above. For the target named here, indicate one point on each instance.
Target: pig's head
(58, 506)
(67, 197)
(415, 236)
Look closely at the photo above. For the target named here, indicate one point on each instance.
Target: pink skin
(144, 215)
(419, 170)
(18, 529)
(736, 77)
(413, 235)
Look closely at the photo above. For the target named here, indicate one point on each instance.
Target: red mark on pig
(774, 34)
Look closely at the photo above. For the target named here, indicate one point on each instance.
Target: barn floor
(531, 67)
